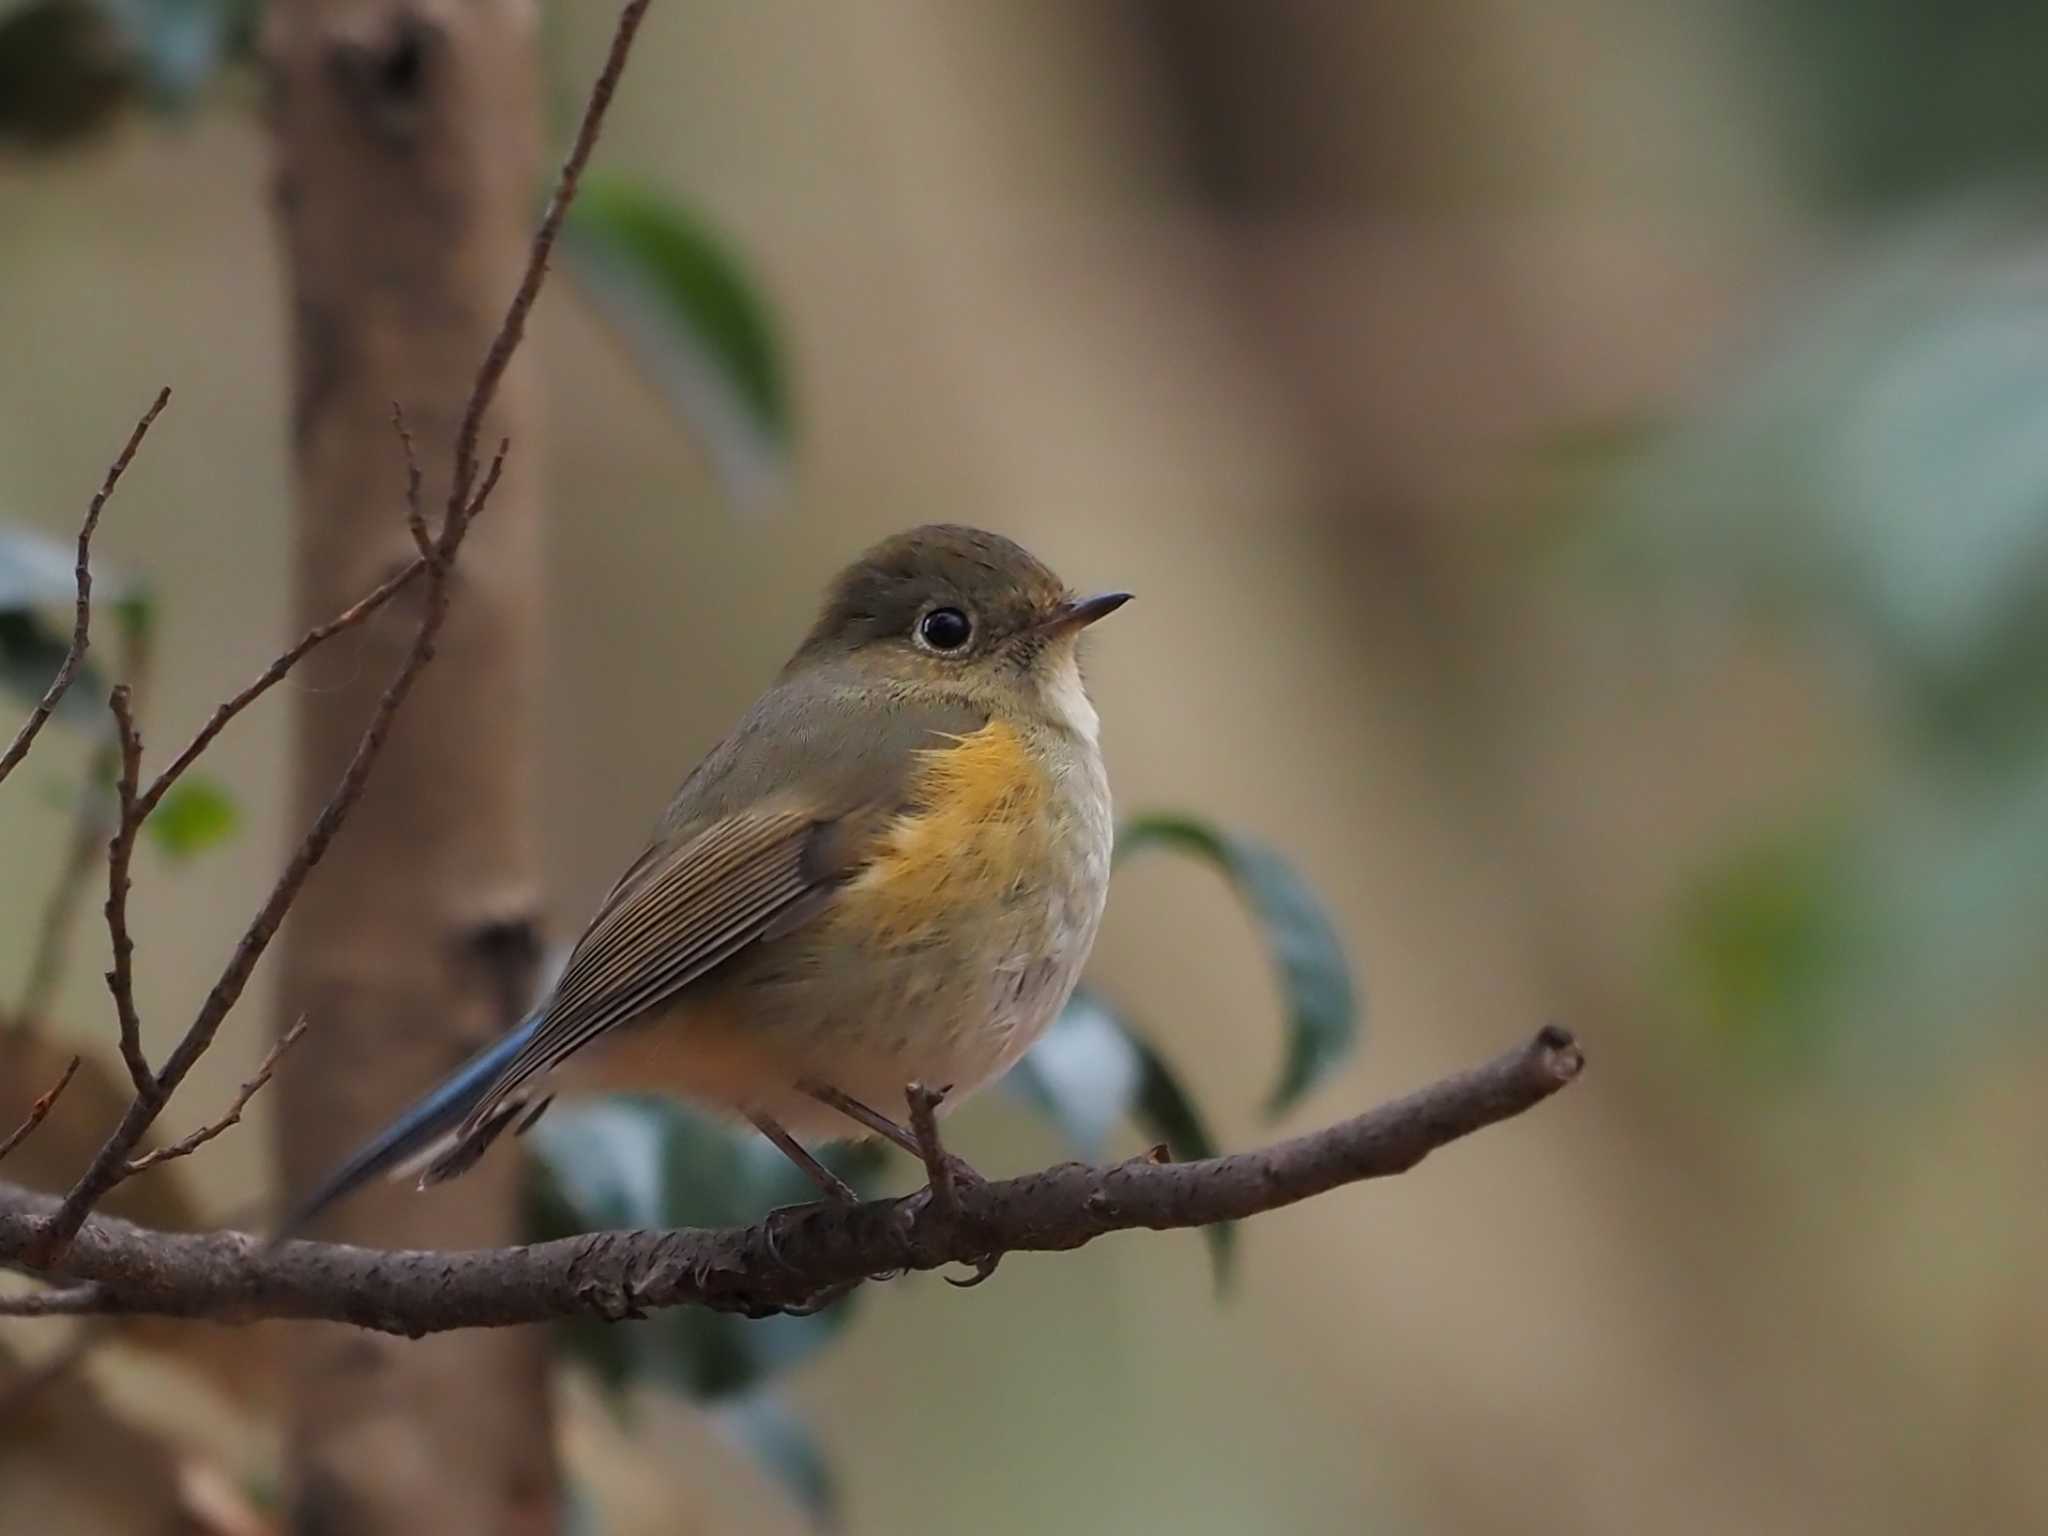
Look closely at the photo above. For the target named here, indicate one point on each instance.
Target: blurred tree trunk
(407, 136)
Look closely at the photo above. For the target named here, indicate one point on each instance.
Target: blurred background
(1585, 471)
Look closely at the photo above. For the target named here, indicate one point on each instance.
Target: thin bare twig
(272, 675)
(499, 357)
(186, 1146)
(89, 834)
(466, 500)
(81, 623)
(120, 853)
(415, 518)
(65, 1301)
(38, 1111)
(784, 1264)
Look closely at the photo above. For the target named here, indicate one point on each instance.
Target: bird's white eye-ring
(944, 629)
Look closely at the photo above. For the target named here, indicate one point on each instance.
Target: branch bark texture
(788, 1260)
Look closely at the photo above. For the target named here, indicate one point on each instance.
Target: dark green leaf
(785, 1445)
(1083, 1074)
(691, 318)
(1165, 1111)
(1321, 1002)
(635, 1162)
(62, 74)
(196, 815)
(1091, 1069)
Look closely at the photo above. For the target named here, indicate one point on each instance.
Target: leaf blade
(197, 814)
(691, 319)
(1308, 956)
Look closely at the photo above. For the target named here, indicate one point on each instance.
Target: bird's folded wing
(681, 910)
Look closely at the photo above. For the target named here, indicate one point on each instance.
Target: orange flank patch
(977, 821)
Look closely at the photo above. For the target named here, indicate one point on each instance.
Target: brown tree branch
(120, 853)
(66, 1301)
(90, 831)
(272, 675)
(780, 1264)
(81, 623)
(466, 499)
(38, 1111)
(499, 356)
(185, 1146)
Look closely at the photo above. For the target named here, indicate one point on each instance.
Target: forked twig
(466, 499)
(186, 1146)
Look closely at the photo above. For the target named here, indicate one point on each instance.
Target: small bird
(890, 872)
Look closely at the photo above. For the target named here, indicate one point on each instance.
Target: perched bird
(890, 872)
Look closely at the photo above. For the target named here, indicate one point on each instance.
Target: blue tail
(432, 1118)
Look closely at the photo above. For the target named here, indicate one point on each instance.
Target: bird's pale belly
(941, 962)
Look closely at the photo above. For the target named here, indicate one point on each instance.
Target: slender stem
(81, 622)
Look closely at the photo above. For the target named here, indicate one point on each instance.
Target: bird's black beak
(1083, 611)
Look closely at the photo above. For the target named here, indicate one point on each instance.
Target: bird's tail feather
(427, 1136)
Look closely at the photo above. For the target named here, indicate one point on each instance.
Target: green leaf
(1083, 1074)
(1314, 975)
(764, 1426)
(691, 318)
(1165, 1111)
(196, 815)
(61, 72)
(636, 1162)
(1090, 1069)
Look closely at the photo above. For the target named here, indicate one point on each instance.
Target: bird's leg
(834, 1187)
(854, 1110)
(943, 1170)
(889, 1130)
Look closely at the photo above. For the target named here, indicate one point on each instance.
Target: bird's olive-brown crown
(947, 591)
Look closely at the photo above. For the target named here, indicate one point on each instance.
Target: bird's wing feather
(681, 913)
(755, 842)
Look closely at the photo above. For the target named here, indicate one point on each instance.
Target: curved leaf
(1084, 1073)
(1165, 1110)
(1314, 975)
(687, 312)
(634, 1162)
(1090, 1069)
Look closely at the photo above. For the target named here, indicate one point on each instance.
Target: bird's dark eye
(944, 629)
